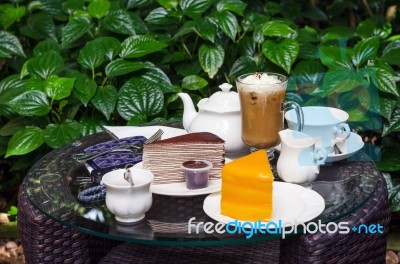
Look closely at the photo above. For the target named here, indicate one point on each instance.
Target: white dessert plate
(292, 203)
(179, 188)
(348, 148)
(146, 131)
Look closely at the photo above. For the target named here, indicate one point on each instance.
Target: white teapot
(219, 114)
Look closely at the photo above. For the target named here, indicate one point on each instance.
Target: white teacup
(325, 124)
(128, 203)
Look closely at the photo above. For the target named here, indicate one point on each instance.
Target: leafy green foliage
(69, 67)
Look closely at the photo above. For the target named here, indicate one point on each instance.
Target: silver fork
(82, 157)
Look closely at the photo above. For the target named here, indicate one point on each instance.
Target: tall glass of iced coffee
(262, 105)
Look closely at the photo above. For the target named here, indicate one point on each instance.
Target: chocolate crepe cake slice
(164, 157)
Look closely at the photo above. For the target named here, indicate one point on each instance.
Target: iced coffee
(261, 96)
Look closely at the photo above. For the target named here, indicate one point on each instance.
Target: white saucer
(348, 148)
(179, 188)
(291, 203)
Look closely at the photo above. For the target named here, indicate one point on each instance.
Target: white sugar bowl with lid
(219, 114)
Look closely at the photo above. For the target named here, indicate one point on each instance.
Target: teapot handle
(299, 113)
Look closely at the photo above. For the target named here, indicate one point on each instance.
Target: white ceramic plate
(350, 147)
(179, 188)
(291, 202)
(147, 131)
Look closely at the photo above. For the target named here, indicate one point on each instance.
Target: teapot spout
(189, 112)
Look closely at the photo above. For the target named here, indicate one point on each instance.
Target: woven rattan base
(260, 252)
(349, 248)
(46, 241)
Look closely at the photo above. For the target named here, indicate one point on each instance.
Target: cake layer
(246, 192)
(164, 157)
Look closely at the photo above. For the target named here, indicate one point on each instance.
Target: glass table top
(53, 183)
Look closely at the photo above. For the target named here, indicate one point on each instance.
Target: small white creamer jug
(299, 159)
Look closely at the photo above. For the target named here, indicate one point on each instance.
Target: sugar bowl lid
(223, 101)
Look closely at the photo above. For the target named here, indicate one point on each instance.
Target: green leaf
(91, 125)
(308, 51)
(335, 33)
(168, 4)
(58, 88)
(85, 87)
(252, 20)
(10, 14)
(390, 160)
(10, 87)
(74, 29)
(57, 135)
(70, 6)
(365, 50)
(31, 103)
(159, 16)
(372, 27)
(39, 26)
(206, 28)
(46, 64)
(45, 46)
(340, 81)
(25, 141)
(91, 55)
(308, 34)
(247, 47)
(387, 105)
(394, 123)
(10, 45)
(14, 125)
(98, 8)
(105, 99)
(283, 53)
(138, 24)
(335, 57)
(385, 81)
(121, 67)
(139, 97)
(137, 120)
(136, 3)
(119, 22)
(391, 53)
(211, 58)
(185, 29)
(138, 46)
(242, 65)
(314, 13)
(228, 23)
(235, 6)
(157, 77)
(193, 82)
(110, 46)
(277, 29)
(194, 8)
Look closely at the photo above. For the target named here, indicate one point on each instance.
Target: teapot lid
(223, 101)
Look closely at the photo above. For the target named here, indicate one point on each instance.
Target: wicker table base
(349, 248)
(46, 241)
(260, 252)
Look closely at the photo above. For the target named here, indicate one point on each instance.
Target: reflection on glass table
(345, 186)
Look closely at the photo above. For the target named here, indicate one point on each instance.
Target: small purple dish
(196, 173)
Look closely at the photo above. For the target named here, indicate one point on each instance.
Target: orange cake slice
(246, 192)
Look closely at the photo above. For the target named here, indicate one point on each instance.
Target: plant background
(69, 67)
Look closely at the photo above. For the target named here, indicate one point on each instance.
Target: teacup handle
(342, 132)
(320, 156)
(299, 113)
